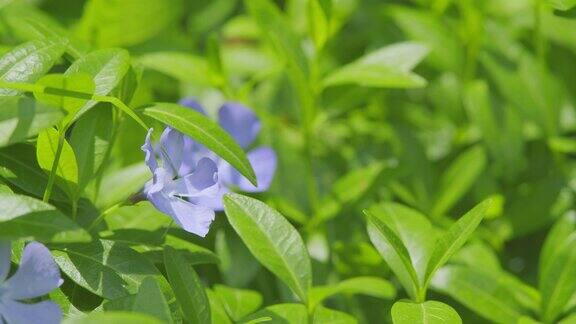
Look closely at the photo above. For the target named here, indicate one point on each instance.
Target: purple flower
(244, 126)
(190, 180)
(37, 275)
(176, 185)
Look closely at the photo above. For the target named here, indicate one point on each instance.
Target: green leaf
(274, 242)
(280, 313)
(28, 23)
(555, 239)
(67, 169)
(219, 315)
(29, 61)
(151, 301)
(29, 218)
(78, 82)
(107, 67)
(206, 132)
(446, 52)
(324, 315)
(387, 67)
(23, 117)
(106, 24)
(120, 184)
(413, 229)
(453, 239)
(105, 268)
(562, 4)
(113, 318)
(349, 190)
(484, 292)
(178, 65)
(371, 286)
(458, 179)
(238, 302)
(394, 252)
(557, 283)
(237, 265)
(429, 312)
(318, 21)
(187, 287)
(18, 165)
(90, 139)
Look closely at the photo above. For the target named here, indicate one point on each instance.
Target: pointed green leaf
(151, 301)
(29, 61)
(107, 67)
(238, 302)
(187, 287)
(557, 283)
(451, 241)
(394, 252)
(429, 312)
(370, 286)
(324, 315)
(388, 67)
(458, 178)
(484, 292)
(272, 240)
(29, 218)
(279, 313)
(105, 268)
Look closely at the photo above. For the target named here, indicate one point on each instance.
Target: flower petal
(192, 103)
(150, 158)
(240, 122)
(171, 145)
(45, 312)
(36, 276)
(263, 160)
(192, 218)
(193, 152)
(214, 202)
(202, 182)
(5, 254)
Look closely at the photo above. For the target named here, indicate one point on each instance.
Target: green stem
(52, 176)
(29, 87)
(116, 122)
(167, 229)
(539, 38)
(100, 217)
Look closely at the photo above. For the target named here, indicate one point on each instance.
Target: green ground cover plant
(295, 161)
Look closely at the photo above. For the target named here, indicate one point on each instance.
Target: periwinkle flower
(36, 276)
(190, 180)
(243, 125)
(177, 186)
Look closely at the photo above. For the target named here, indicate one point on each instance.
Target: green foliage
(272, 240)
(415, 112)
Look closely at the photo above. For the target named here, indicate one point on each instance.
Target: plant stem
(539, 39)
(52, 176)
(29, 87)
(100, 217)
